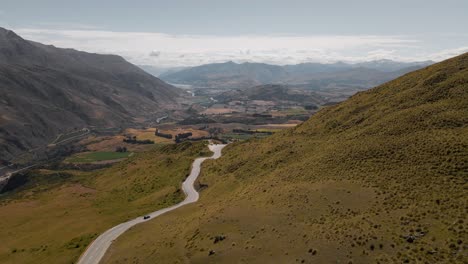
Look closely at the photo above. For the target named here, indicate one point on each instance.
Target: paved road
(158, 120)
(98, 248)
(87, 132)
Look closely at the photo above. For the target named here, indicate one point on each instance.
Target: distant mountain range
(315, 75)
(45, 91)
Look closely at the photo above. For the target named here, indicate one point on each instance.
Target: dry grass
(57, 214)
(380, 178)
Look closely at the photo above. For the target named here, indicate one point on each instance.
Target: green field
(97, 156)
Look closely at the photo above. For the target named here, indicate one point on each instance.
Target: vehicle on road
(146, 217)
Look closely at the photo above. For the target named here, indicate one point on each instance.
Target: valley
(340, 162)
(380, 178)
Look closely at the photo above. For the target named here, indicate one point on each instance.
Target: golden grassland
(149, 133)
(54, 217)
(379, 178)
(110, 143)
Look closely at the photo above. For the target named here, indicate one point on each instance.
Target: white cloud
(166, 50)
(448, 53)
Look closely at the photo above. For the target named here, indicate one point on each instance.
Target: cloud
(448, 53)
(165, 50)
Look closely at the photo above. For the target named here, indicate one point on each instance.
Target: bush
(159, 134)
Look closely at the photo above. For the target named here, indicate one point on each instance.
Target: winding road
(98, 248)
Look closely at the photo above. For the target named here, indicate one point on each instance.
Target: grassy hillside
(57, 214)
(379, 178)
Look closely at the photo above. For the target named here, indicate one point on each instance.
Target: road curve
(98, 248)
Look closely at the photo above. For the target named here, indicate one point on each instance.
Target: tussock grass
(53, 218)
(379, 178)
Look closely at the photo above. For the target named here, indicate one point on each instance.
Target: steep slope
(245, 75)
(45, 91)
(379, 178)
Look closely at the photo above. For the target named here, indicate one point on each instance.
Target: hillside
(45, 91)
(379, 178)
(55, 215)
(316, 75)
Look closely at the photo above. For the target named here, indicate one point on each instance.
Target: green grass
(97, 156)
(349, 186)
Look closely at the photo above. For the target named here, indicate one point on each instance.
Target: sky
(174, 33)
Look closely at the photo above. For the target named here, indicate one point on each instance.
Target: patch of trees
(262, 115)
(159, 134)
(180, 137)
(206, 138)
(300, 117)
(214, 131)
(251, 132)
(30, 179)
(5, 163)
(197, 120)
(199, 138)
(121, 149)
(134, 140)
(310, 107)
(16, 180)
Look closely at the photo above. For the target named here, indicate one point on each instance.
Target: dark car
(146, 217)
